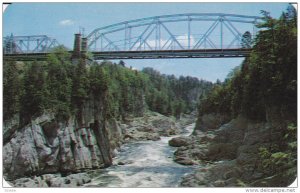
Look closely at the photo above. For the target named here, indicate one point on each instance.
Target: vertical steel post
(159, 36)
(157, 41)
(11, 45)
(95, 45)
(156, 36)
(129, 39)
(37, 44)
(126, 36)
(27, 47)
(101, 46)
(189, 32)
(221, 20)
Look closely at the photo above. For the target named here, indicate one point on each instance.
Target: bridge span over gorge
(193, 35)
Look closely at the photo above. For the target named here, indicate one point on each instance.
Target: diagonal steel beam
(211, 43)
(38, 45)
(145, 39)
(234, 28)
(111, 42)
(237, 37)
(212, 27)
(139, 38)
(166, 43)
(52, 43)
(172, 36)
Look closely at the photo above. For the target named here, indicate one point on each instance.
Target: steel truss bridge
(193, 35)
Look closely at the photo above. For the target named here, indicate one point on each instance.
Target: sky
(63, 20)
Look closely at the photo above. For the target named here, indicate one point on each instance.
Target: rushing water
(147, 164)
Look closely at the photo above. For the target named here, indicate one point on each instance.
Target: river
(146, 164)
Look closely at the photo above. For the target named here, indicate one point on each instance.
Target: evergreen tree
(80, 88)
(12, 89)
(246, 40)
(59, 82)
(267, 80)
(35, 98)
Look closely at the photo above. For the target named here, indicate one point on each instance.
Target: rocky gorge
(221, 154)
(45, 153)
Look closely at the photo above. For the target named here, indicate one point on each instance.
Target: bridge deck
(158, 54)
(150, 54)
(26, 56)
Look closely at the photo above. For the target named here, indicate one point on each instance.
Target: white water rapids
(147, 164)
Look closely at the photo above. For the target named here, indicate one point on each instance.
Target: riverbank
(235, 155)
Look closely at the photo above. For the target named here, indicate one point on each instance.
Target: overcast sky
(62, 20)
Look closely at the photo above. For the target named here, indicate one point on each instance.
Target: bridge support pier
(79, 49)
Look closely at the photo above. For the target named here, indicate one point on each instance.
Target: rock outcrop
(45, 146)
(179, 141)
(211, 121)
(53, 180)
(150, 127)
(230, 155)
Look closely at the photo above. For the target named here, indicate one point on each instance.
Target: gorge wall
(47, 146)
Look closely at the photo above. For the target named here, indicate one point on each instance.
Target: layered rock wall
(50, 147)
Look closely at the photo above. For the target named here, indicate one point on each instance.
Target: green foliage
(283, 160)
(59, 82)
(12, 89)
(35, 97)
(277, 162)
(169, 95)
(246, 40)
(80, 84)
(266, 80)
(99, 80)
(113, 90)
(240, 183)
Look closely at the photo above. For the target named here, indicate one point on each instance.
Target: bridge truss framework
(155, 34)
(150, 38)
(28, 44)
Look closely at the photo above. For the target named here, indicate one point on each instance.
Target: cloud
(182, 39)
(166, 44)
(66, 22)
(152, 43)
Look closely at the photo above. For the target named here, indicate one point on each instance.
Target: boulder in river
(179, 141)
(184, 161)
(53, 180)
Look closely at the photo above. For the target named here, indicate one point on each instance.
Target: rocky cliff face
(48, 153)
(45, 146)
(230, 155)
(210, 121)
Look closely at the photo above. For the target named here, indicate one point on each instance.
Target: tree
(80, 88)
(246, 40)
(35, 98)
(122, 63)
(59, 82)
(266, 86)
(12, 89)
(178, 107)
